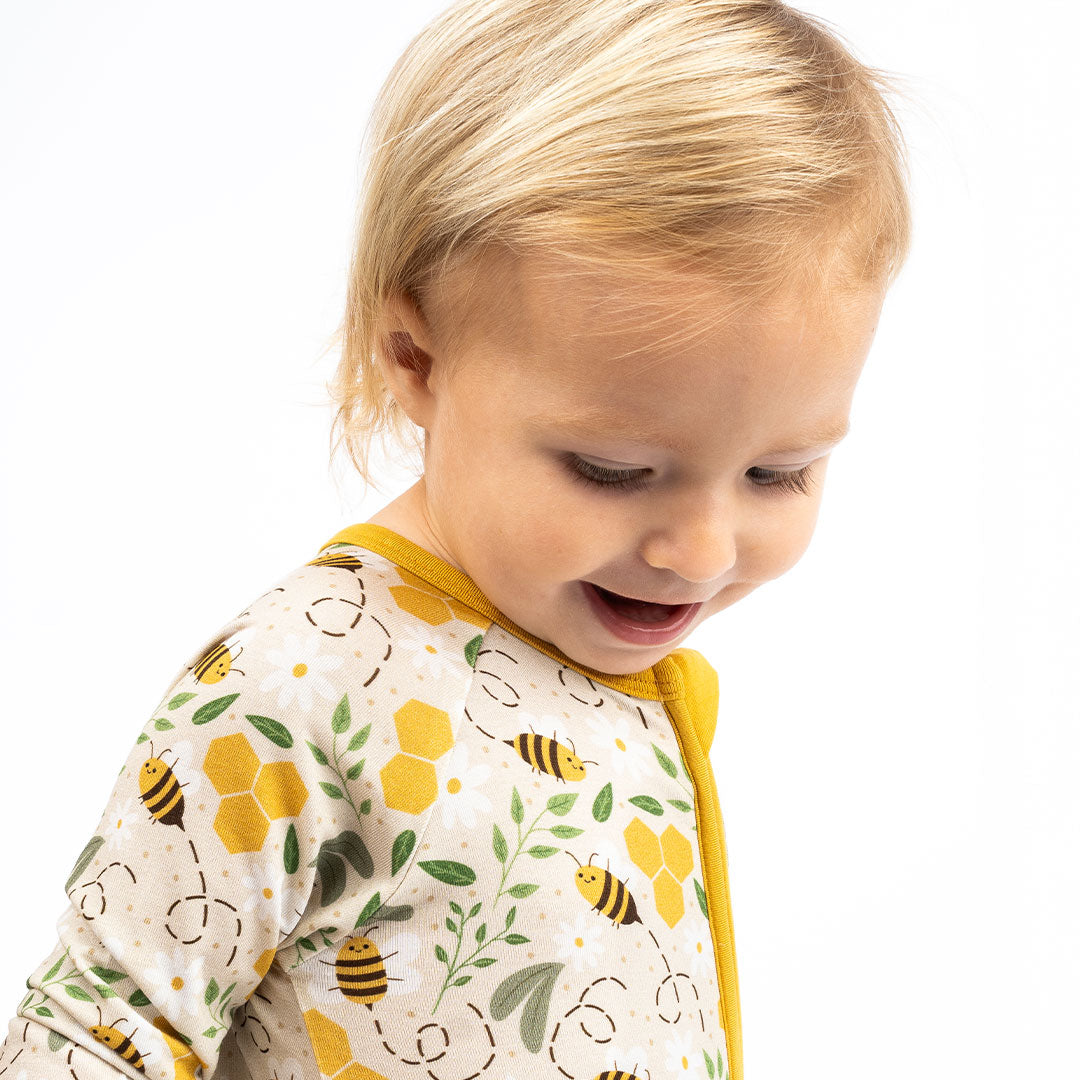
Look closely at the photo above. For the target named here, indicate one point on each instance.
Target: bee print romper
(374, 829)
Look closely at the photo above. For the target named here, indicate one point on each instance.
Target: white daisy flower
(580, 942)
(300, 672)
(683, 1057)
(178, 985)
(624, 747)
(427, 658)
(697, 945)
(264, 885)
(116, 824)
(462, 792)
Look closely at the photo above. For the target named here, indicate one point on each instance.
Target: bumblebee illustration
(361, 971)
(605, 892)
(621, 1074)
(118, 1041)
(160, 791)
(219, 660)
(548, 756)
(338, 559)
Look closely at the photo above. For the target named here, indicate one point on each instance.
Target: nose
(696, 542)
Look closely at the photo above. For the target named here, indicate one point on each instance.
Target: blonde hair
(740, 138)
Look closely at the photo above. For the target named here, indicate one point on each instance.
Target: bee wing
(402, 959)
(186, 771)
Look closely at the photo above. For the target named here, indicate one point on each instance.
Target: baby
(438, 803)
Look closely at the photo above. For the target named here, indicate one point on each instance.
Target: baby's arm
(200, 867)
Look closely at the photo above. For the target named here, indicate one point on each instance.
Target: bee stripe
(620, 901)
(160, 802)
(208, 661)
(601, 904)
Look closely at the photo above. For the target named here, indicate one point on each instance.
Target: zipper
(714, 871)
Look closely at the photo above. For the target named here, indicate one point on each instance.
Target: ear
(405, 351)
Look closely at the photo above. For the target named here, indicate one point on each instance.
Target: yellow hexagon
(423, 730)
(408, 784)
(240, 823)
(231, 764)
(430, 604)
(643, 846)
(328, 1041)
(669, 898)
(678, 854)
(262, 965)
(279, 789)
(358, 1072)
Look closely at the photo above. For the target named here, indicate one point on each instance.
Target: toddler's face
(560, 380)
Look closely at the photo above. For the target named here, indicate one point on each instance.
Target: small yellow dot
(300, 670)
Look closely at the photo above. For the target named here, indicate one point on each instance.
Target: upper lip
(630, 596)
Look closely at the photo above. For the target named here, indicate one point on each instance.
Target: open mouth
(639, 611)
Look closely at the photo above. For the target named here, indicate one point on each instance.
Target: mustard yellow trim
(450, 579)
(702, 692)
(714, 869)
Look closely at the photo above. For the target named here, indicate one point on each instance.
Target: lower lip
(639, 633)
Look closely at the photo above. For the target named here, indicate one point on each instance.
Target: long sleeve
(203, 861)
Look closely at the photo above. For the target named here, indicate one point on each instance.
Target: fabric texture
(374, 829)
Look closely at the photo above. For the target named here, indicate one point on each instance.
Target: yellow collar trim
(661, 682)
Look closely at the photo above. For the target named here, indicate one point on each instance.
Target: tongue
(638, 610)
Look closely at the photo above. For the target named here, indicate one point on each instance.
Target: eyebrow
(597, 422)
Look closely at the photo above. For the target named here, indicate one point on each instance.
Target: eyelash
(798, 481)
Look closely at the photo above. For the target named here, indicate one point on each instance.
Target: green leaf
(440, 954)
(138, 999)
(536, 983)
(481, 933)
(702, 900)
(485, 961)
(565, 832)
(210, 1032)
(369, 910)
(81, 863)
(307, 943)
(57, 1041)
(274, 730)
(317, 754)
(291, 854)
(462, 981)
(456, 908)
(665, 762)
(331, 789)
(709, 1067)
(178, 700)
(342, 717)
(474, 911)
(365, 807)
(543, 851)
(472, 648)
(106, 975)
(212, 989)
(515, 939)
(161, 724)
(448, 872)
(517, 810)
(685, 807)
(601, 807)
(520, 891)
(451, 925)
(404, 843)
(510, 915)
(143, 737)
(355, 770)
(77, 992)
(50, 973)
(352, 846)
(44, 1010)
(647, 803)
(212, 709)
(358, 739)
(104, 991)
(561, 805)
(498, 843)
(331, 871)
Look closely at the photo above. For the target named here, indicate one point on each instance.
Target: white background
(897, 753)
